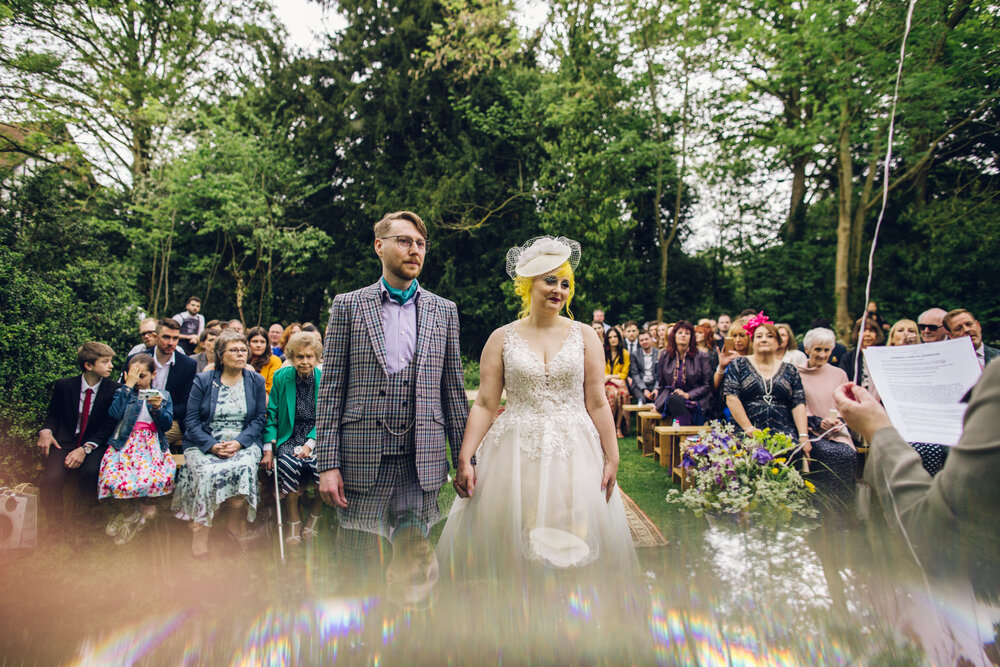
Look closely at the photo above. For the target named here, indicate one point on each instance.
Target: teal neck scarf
(400, 296)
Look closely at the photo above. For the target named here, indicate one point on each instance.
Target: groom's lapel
(371, 307)
(426, 311)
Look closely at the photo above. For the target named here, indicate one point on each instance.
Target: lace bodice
(543, 402)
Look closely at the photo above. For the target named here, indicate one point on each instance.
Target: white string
(868, 286)
(885, 188)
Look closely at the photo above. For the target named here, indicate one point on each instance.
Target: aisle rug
(644, 531)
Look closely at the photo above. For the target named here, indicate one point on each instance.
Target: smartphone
(146, 394)
(729, 344)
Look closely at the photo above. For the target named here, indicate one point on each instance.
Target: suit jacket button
(382, 392)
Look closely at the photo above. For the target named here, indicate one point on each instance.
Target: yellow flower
(779, 460)
(739, 453)
(809, 485)
(774, 471)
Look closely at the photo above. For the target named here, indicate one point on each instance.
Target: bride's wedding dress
(538, 491)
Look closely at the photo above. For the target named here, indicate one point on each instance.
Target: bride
(537, 485)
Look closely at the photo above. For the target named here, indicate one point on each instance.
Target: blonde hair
(897, 326)
(307, 340)
(522, 288)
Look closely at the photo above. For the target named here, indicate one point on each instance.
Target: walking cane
(277, 503)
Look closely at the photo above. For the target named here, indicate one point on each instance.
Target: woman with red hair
(684, 376)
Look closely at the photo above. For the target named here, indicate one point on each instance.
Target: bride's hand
(609, 479)
(465, 479)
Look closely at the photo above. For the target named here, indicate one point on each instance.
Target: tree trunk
(796, 207)
(844, 184)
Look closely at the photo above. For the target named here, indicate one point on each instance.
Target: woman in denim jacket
(137, 465)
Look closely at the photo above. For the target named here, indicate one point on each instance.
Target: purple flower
(718, 480)
(762, 456)
(700, 449)
(687, 461)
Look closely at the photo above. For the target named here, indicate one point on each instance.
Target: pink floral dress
(140, 469)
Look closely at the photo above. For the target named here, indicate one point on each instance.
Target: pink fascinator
(755, 321)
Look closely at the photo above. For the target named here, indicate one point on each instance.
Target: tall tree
(118, 74)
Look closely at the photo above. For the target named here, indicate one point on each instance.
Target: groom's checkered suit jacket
(352, 405)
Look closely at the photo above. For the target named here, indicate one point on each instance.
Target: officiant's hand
(860, 410)
(609, 479)
(331, 488)
(465, 479)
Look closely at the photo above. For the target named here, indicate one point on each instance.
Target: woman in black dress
(763, 392)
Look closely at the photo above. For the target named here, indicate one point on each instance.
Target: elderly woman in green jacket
(291, 430)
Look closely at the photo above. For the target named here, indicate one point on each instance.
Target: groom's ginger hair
(383, 226)
(522, 288)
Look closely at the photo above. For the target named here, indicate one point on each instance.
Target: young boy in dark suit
(76, 429)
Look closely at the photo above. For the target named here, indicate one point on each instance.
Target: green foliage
(470, 368)
(54, 296)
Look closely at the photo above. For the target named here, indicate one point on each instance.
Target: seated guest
(261, 358)
(236, 325)
(834, 452)
(289, 331)
(599, 328)
(931, 325)
(205, 352)
(788, 349)
(904, 332)
(192, 324)
(174, 373)
(222, 444)
(631, 332)
(137, 465)
(75, 433)
(662, 331)
(839, 350)
(764, 392)
(642, 370)
(723, 325)
(291, 428)
(147, 334)
(704, 340)
(959, 323)
(616, 365)
(951, 519)
(274, 333)
(872, 336)
(684, 377)
(741, 347)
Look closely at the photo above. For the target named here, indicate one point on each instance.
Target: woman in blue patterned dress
(222, 444)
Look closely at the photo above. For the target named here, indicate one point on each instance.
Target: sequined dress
(538, 495)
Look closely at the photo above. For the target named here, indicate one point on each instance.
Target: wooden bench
(668, 445)
(633, 407)
(644, 434)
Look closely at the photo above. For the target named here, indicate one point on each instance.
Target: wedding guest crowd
(234, 402)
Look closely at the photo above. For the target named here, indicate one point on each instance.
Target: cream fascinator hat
(541, 255)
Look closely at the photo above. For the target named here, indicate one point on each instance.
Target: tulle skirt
(537, 502)
(140, 469)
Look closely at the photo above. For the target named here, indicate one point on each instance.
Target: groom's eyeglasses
(406, 242)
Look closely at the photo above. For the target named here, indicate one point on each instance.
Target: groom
(391, 390)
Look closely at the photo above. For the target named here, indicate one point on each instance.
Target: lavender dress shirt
(400, 326)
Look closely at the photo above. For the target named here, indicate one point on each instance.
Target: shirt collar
(170, 362)
(84, 386)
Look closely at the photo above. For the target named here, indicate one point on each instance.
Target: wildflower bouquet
(743, 475)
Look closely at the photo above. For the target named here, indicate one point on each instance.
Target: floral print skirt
(140, 469)
(206, 481)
